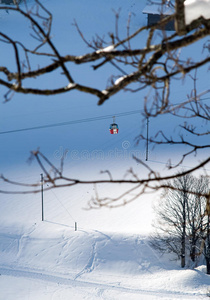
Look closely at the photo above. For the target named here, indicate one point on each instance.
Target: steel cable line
(80, 120)
(62, 205)
(72, 122)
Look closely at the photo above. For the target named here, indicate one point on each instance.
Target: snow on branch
(191, 14)
(195, 9)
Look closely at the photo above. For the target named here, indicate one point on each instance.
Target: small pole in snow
(75, 226)
(42, 196)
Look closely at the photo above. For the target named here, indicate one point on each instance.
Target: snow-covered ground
(48, 260)
(109, 255)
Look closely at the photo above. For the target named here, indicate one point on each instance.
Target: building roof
(158, 9)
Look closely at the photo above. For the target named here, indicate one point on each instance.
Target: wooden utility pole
(42, 196)
(147, 142)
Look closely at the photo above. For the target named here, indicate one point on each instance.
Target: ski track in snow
(60, 280)
(75, 279)
(24, 237)
(90, 265)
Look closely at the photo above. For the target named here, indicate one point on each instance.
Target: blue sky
(26, 111)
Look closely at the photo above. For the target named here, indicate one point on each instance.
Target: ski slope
(52, 261)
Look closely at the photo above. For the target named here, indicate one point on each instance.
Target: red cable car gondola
(113, 127)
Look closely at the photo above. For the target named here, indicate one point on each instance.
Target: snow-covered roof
(157, 9)
(193, 9)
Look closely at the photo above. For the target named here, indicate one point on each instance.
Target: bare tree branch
(155, 65)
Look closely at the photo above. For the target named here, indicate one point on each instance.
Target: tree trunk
(208, 246)
(180, 18)
(208, 264)
(193, 245)
(183, 233)
(182, 260)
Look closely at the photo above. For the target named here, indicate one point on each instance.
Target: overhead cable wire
(72, 122)
(79, 121)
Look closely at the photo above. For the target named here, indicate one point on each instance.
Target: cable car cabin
(113, 128)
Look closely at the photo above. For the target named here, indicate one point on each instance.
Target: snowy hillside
(109, 256)
(51, 261)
